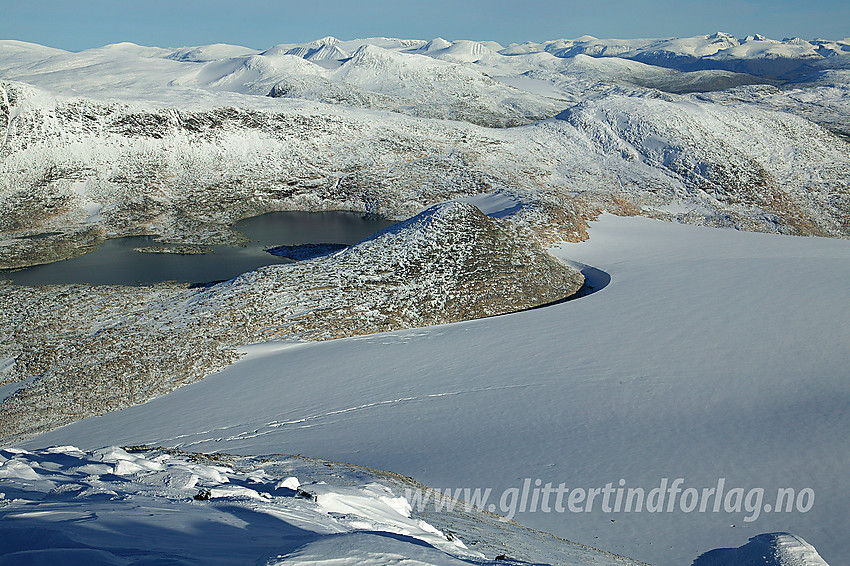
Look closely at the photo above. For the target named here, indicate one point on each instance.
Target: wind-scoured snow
(771, 549)
(106, 506)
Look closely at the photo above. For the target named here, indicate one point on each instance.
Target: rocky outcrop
(446, 264)
(88, 350)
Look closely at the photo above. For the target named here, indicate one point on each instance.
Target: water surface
(115, 262)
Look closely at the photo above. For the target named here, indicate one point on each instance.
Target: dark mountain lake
(116, 261)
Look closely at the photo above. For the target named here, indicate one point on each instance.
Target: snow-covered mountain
(710, 354)
(489, 155)
(754, 54)
(771, 548)
(325, 49)
(214, 52)
(84, 169)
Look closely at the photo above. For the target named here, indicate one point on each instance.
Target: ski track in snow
(271, 426)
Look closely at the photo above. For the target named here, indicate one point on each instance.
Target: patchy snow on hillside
(447, 264)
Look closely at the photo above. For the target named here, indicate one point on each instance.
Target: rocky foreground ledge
(81, 350)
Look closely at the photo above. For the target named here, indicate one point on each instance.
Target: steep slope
(448, 263)
(325, 50)
(436, 44)
(462, 51)
(743, 160)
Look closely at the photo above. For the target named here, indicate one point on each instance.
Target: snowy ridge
(822, 97)
(448, 263)
(623, 148)
(325, 49)
(436, 44)
(433, 88)
(130, 49)
(251, 74)
(18, 55)
(754, 54)
(728, 154)
(63, 504)
(582, 76)
(463, 51)
(390, 80)
(214, 52)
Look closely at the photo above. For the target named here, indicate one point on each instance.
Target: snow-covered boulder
(771, 549)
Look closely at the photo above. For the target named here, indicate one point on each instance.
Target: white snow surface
(144, 506)
(716, 46)
(710, 354)
(64, 506)
(770, 548)
(47, 66)
(204, 53)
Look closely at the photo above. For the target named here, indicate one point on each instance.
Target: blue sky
(82, 24)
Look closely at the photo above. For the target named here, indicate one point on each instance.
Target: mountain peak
(436, 44)
(327, 40)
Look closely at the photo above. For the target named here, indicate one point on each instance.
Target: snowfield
(696, 362)
(711, 353)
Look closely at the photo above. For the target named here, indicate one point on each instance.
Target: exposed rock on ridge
(90, 350)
